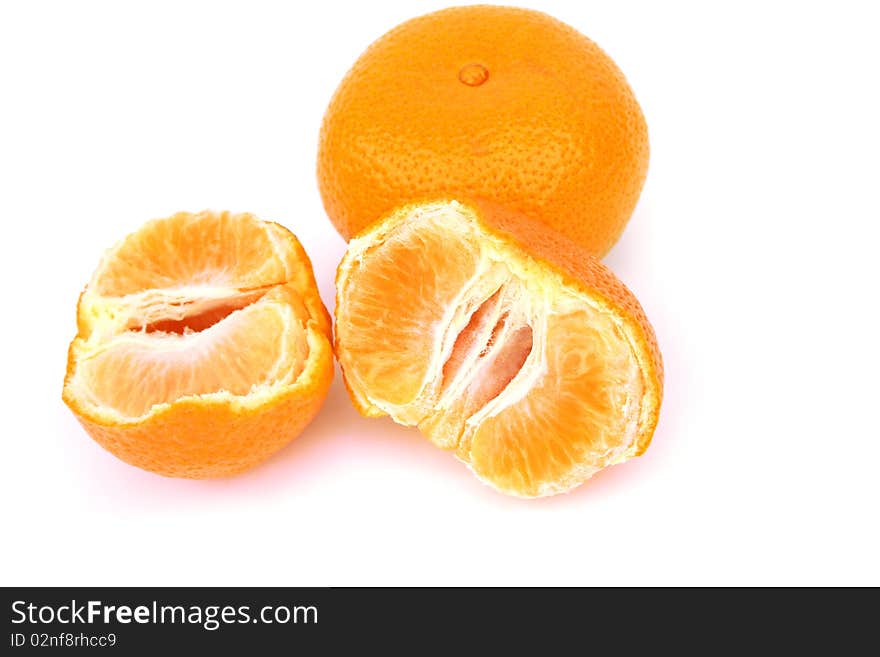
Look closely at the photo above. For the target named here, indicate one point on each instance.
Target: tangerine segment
(200, 362)
(389, 318)
(537, 370)
(590, 382)
(209, 249)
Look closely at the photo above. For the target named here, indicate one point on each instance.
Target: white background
(753, 250)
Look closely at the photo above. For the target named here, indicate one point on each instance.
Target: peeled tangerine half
(202, 346)
(499, 340)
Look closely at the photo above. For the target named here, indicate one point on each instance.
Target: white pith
(169, 349)
(530, 295)
(111, 315)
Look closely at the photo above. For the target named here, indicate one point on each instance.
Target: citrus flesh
(535, 373)
(202, 345)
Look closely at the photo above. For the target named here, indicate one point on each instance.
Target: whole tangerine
(483, 102)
